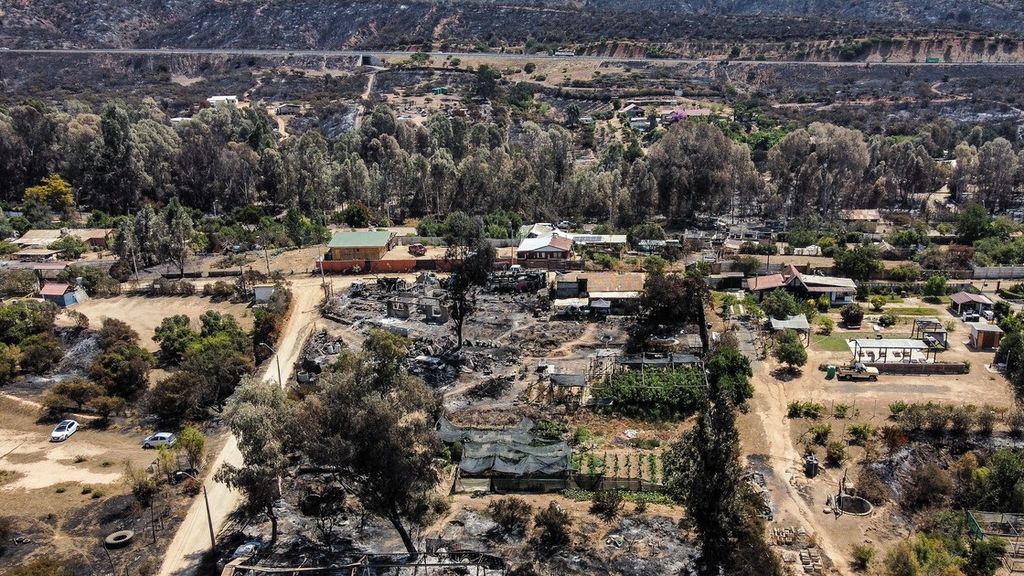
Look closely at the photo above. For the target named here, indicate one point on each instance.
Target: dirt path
(769, 403)
(192, 538)
(364, 98)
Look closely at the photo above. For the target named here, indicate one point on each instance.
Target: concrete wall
(998, 272)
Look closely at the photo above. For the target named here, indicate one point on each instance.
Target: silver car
(159, 439)
(64, 430)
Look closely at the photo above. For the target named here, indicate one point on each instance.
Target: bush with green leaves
(887, 320)
(820, 433)
(860, 433)
(800, 409)
(654, 393)
(826, 325)
(852, 314)
(863, 554)
(835, 453)
(607, 504)
(842, 410)
(897, 408)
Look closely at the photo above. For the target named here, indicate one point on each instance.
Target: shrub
(798, 409)
(826, 325)
(860, 433)
(511, 514)
(863, 554)
(606, 504)
(877, 303)
(581, 435)
(835, 453)
(553, 525)
(605, 261)
(897, 408)
(929, 485)
(961, 419)
(842, 410)
(104, 406)
(914, 417)
(887, 320)
(550, 429)
(219, 290)
(893, 437)
(852, 314)
(820, 433)
(986, 420)
(936, 417)
(1015, 422)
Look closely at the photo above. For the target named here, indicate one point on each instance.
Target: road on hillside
(280, 53)
(192, 539)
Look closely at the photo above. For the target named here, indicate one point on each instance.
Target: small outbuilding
(262, 293)
(967, 302)
(63, 294)
(985, 336)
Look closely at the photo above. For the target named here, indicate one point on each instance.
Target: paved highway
(280, 53)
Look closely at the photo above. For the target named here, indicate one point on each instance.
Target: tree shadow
(786, 373)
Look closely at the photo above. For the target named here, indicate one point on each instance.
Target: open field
(144, 314)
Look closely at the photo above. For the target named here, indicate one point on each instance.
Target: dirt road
(192, 538)
(770, 404)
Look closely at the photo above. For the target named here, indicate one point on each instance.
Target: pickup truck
(857, 371)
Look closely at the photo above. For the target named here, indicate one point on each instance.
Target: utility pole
(209, 517)
(277, 359)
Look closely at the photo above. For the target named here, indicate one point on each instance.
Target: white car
(159, 439)
(64, 430)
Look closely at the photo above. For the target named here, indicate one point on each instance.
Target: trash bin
(830, 372)
(811, 465)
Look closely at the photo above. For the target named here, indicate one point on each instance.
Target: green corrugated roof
(361, 239)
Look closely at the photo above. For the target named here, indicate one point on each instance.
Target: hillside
(475, 23)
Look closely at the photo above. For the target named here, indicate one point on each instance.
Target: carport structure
(888, 350)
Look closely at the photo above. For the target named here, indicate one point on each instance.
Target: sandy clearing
(55, 463)
(145, 313)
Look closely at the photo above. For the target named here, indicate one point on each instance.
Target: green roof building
(360, 245)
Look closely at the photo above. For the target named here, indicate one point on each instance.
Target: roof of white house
(554, 242)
